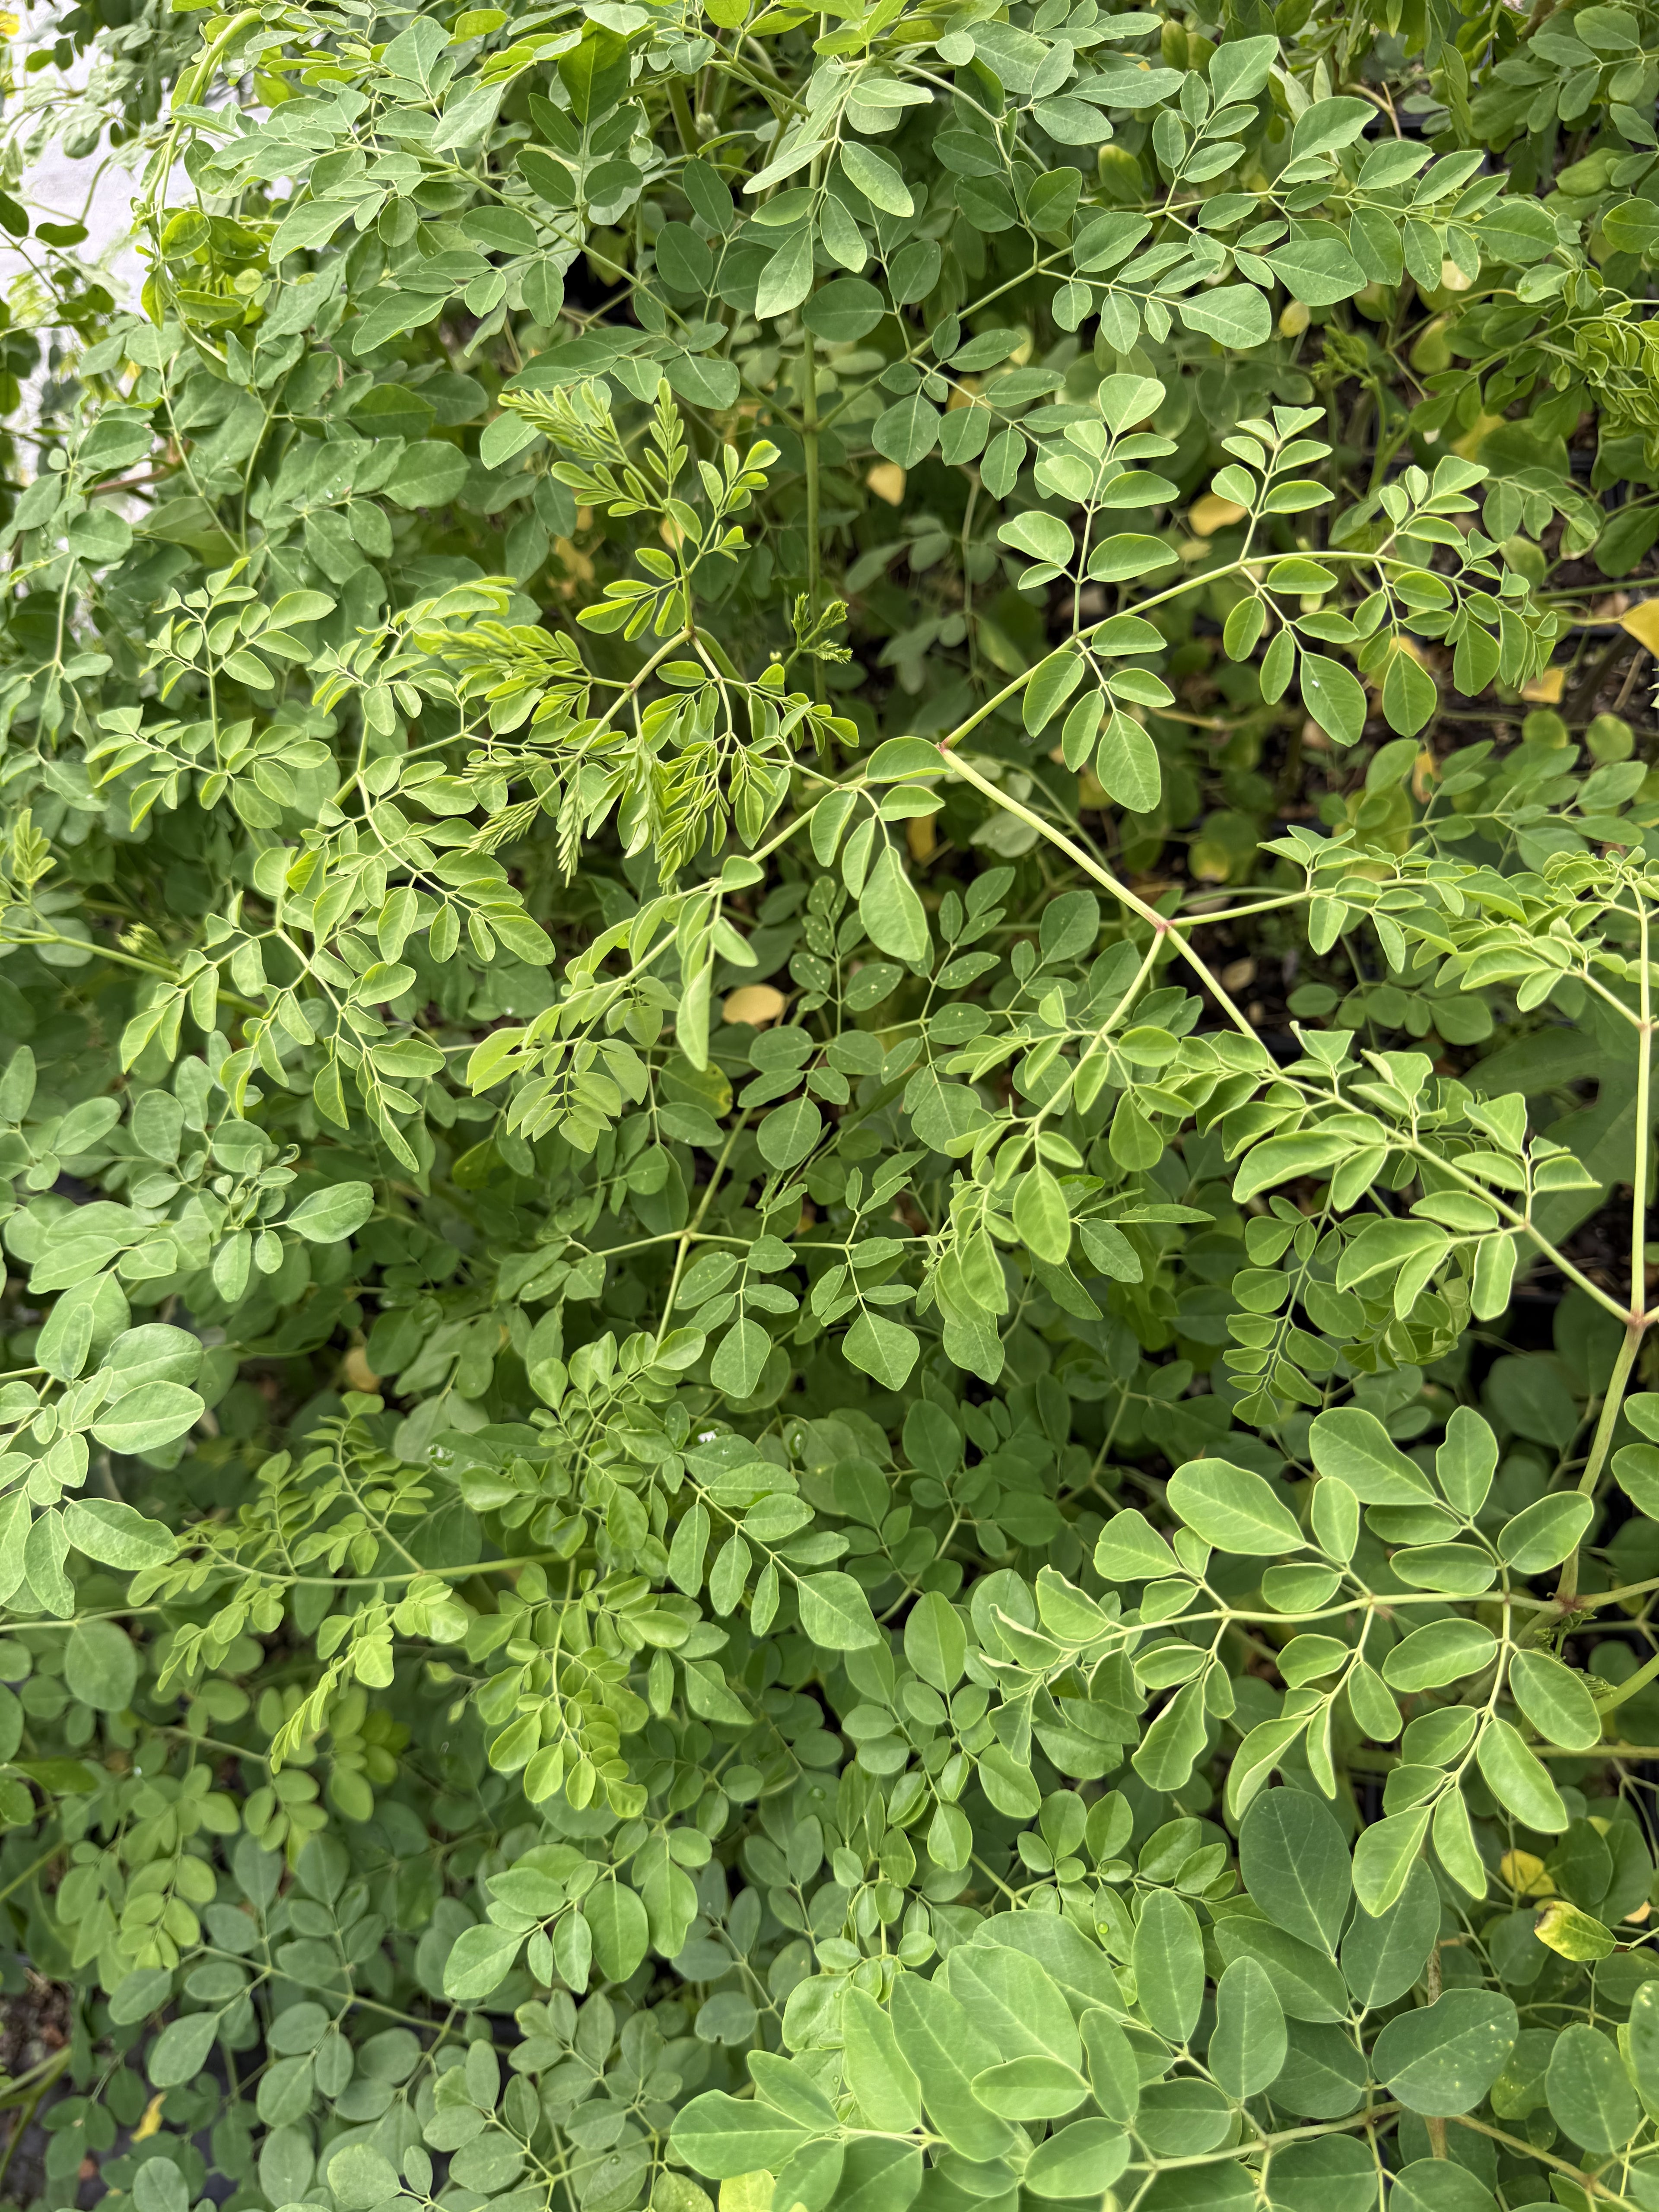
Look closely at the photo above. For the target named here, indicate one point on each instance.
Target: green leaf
(1335, 697)
(180, 2052)
(1233, 1509)
(945, 2050)
(1255, 1758)
(885, 1350)
(1031, 2090)
(362, 2177)
(836, 1614)
(1452, 1833)
(907, 432)
(786, 2085)
(1518, 1780)
(1054, 683)
(1168, 1956)
(740, 1359)
(1384, 1956)
(45, 1547)
(1127, 765)
(1113, 2073)
(595, 73)
(1044, 537)
(844, 310)
(1285, 1159)
(1384, 1856)
(879, 2176)
(1078, 2161)
(899, 757)
(788, 1134)
(722, 2137)
(1443, 2058)
(1131, 554)
(878, 176)
(1248, 2043)
(1410, 698)
(1173, 1744)
(1237, 315)
(1542, 1535)
(1443, 1652)
(786, 278)
(1129, 1549)
(1304, 1979)
(891, 912)
(1014, 2005)
(1645, 2039)
(152, 1415)
(1319, 271)
(935, 1641)
(1008, 1782)
(1295, 1864)
(1324, 2075)
(479, 1961)
(1429, 2185)
(877, 2073)
(100, 1666)
(430, 473)
(1589, 2092)
(327, 1216)
(1467, 1460)
(115, 1534)
(622, 1931)
(1328, 125)
(1041, 1214)
(1353, 1445)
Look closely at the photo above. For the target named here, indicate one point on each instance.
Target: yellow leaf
(1469, 444)
(356, 1373)
(151, 2124)
(1212, 512)
(1545, 691)
(748, 2192)
(887, 480)
(1642, 623)
(1571, 1934)
(754, 1006)
(1524, 1873)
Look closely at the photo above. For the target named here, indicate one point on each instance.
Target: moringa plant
(828, 1105)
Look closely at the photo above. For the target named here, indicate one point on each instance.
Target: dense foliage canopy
(828, 866)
